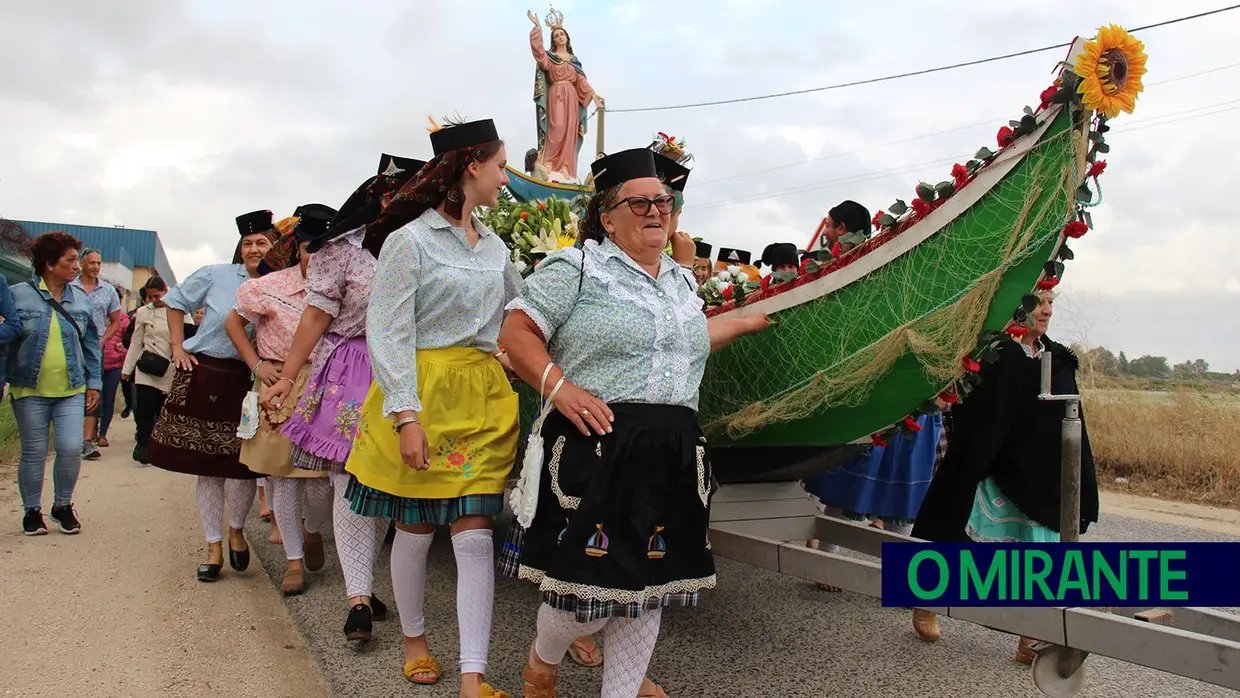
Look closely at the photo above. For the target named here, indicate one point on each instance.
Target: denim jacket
(10, 329)
(24, 357)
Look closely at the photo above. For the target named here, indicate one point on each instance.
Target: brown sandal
(580, 653)
(294, 582)
(538, 684)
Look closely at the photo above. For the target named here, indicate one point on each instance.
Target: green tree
(1150, 367)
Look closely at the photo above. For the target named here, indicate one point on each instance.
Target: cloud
(179, 115)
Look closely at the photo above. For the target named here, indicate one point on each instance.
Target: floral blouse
(273, 303)
(338, 283)
(431, 290)
(626, 337)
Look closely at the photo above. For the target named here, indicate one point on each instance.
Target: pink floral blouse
(338, 283)
(273, 303)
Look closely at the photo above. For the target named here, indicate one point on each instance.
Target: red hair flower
(921, 209)
(949, 396)
(727, 293)
(1075, 229)
(1016, 331)
(1005, 136)
(971, 365)
(877, 218)
(1096, 169)
(877, 440)
(1048, 283)
(1047, 95)
(912, 424)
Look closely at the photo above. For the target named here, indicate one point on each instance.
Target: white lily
(734, 270)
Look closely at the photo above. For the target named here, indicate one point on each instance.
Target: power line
(1161, 120)
(910, 74)
(997, 119)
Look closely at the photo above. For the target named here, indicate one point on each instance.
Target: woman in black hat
(331, 337)
(438, 430)
(197, 428)
(614, 527)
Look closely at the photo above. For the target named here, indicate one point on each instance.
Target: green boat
(867, 339)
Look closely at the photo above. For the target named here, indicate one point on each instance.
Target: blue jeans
(33, 415)
(107, 400)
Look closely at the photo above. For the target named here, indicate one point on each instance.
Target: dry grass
(1175, 445)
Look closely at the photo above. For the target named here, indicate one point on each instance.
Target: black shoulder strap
(63, 313)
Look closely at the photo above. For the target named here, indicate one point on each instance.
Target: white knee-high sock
(628, 644)
(240, 495)
(318, 502)
(356, 545)
(409, 579)
(556, 631)
(475, 596)
(210, 497)
(286, 502)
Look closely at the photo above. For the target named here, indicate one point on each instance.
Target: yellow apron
(469, 414)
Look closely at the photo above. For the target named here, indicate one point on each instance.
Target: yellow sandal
(485, 691)
(422, 665)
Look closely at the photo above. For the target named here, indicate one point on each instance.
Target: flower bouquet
(727, 284)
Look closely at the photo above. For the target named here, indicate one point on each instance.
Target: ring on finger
(585, 413)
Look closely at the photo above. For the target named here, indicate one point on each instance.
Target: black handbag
(153, 364)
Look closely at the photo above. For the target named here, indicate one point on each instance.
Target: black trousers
(147, 403)
(127, 391)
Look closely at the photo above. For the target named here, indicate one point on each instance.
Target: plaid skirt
(197, 429)
(622, 525)
(372, 503)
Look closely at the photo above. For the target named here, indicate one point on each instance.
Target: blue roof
(128, 246)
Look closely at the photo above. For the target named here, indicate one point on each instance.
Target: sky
(179, 115)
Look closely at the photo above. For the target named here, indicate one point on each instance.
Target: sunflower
(1111, 68)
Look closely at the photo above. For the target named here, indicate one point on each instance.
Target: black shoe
(239, 560)
(358, 627)
(139, 454)
(378, 609)
(66, 518)
(209, 573)
(32, 523)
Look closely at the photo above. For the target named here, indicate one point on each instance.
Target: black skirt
(622, 520)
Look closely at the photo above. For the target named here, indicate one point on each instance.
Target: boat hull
(525, 188)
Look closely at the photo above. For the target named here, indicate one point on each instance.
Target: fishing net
(856, 360)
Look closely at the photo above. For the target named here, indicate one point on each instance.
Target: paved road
(759, 634)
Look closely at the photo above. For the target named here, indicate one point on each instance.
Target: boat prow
(526, 188)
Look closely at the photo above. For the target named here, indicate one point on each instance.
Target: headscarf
(366, 202)
(439, 181)
(283, 247)
(307, 223)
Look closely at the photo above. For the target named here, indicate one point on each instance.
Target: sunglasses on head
(640, 205)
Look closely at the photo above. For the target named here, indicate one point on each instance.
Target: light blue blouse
(431, 290)
(215, 287)
(626, 337)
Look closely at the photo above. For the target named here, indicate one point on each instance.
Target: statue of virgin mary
(561, 95)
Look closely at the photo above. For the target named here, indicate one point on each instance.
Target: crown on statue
(554, 19)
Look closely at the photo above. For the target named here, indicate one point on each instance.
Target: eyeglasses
(640, 205)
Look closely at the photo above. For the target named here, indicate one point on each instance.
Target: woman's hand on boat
(533, 17)
(758, 323)
(274, 395)
(183, 360)
(584, 410)
(414, 449)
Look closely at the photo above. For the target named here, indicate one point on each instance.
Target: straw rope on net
(930, 303)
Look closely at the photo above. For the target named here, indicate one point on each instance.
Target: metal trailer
(765, 525)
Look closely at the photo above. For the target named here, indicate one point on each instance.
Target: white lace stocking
(556, 631)
(628, 644)
(240, 495)
(357, 544)
(318, 502)
(286, 494)
(475, 596)
(210, 497)
(409, 579)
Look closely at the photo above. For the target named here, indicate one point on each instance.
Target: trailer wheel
(1046, 674)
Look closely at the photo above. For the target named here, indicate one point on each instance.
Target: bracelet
(402, 423)
(282, 378)
(254, 370)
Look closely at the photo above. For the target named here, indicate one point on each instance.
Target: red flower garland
(1048, 283)
(912, 424)
(1016, 331)
(877, 440)
(727, 293)
(1047, 95)
(971, 365)
(877, 219)
(960, 174)
(1075, 229)
(1005, 136)
(1096, 169)
(921, 208)
(950, 397)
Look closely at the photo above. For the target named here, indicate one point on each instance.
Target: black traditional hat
(459, 136)
(623, 166)
(673, 174)
(394, 165)
(779, 254)
(852, 215)
(703, 249)
(255, 222)
(727, 255)
(312, 221)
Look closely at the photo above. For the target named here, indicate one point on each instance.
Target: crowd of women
(360, 362)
